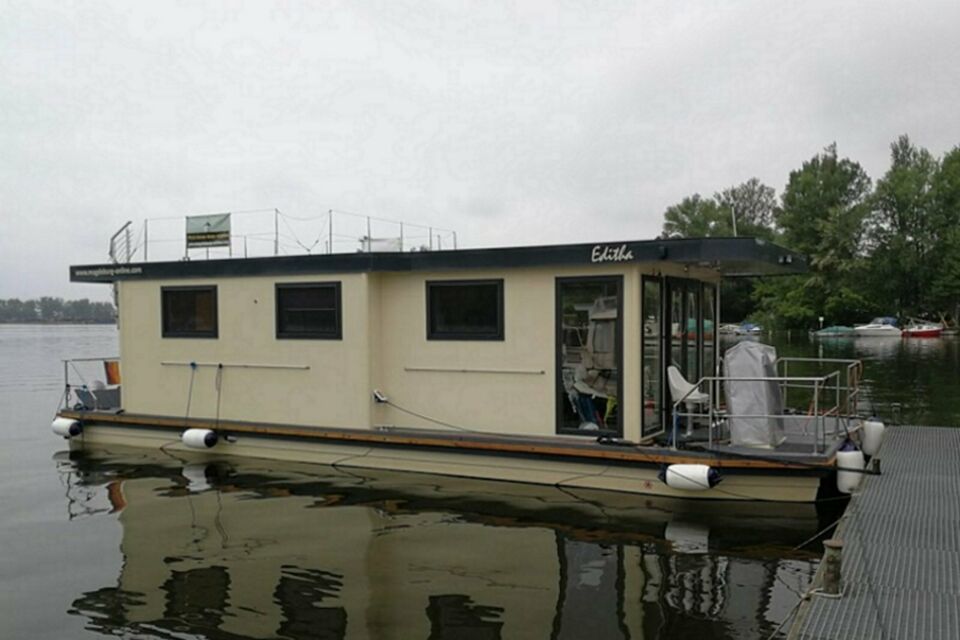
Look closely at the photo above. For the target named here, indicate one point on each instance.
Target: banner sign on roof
(208, 231)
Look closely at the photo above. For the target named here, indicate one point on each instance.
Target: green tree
(50, 309)
(906, 228)
(944, 293)
(696, 217)
(753, 205)
(822, 214)
(826, 193)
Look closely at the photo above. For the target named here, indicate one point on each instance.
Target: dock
(901, 547)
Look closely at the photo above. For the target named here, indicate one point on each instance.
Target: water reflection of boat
(234, 550)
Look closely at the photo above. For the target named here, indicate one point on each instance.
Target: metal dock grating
(901, 557)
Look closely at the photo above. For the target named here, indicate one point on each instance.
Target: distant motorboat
(923, 330)
(748, 329)
(837, 331)
(881, 327)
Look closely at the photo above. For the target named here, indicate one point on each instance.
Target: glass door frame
(558, 357)
(660, 340)
(685, 286)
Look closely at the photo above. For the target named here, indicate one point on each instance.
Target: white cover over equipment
(753, 397)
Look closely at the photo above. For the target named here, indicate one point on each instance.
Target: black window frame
(167, 333)
(492, 336)
(336, 334)
(561, 398)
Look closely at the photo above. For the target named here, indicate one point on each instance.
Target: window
(309, 310)
(465, 310)
(189, 312)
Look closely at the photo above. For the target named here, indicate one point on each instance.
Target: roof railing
(271, 232)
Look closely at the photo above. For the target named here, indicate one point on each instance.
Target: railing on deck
(853, 370)
(830, 402)
(83, 390)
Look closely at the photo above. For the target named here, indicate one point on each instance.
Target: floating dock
(901, 547)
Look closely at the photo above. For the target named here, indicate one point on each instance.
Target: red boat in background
(923, 330)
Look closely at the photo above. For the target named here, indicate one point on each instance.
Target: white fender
(66, 427)
(848, 481)
(199, 438)
(690, 477)
(872, 436)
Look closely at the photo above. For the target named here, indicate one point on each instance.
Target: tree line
(56, 310)
(885, 248)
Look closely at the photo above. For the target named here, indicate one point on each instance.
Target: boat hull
(877, 332)
(931, 332)
(741, 480)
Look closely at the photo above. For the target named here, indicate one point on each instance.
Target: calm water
(142, 545)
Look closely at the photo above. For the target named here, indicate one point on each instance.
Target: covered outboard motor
(753, 397)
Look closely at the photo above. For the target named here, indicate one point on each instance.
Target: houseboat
(542, 364)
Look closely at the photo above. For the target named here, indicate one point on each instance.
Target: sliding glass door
(689, 331)
(652, 360)
(589, 319)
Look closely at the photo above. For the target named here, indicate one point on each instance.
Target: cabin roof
(731, 257)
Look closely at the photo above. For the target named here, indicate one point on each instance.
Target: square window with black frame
(189, 312)
(465, 310)
(309, 310)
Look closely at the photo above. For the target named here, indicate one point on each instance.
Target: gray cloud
(512, 123)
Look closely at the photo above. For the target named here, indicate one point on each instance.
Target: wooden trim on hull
(629, 469)
(750, 485)
(568, 448)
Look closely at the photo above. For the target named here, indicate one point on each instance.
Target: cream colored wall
(460, 392)
(506, 387)
(334, 391)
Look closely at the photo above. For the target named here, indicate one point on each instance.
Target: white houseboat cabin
(560, 365)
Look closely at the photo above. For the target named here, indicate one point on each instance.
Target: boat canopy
(729, 257)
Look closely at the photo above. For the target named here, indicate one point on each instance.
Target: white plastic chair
(691, 396)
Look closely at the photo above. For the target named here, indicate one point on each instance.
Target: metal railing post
(785, 385)
(146, 239)
(816, 417)
(276, 232)
(66, 384)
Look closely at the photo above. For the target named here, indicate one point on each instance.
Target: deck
(901, 556)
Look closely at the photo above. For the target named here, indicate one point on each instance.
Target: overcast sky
(513, 123)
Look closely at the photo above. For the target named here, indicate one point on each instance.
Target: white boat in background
(748, 329)
(728, 329)
(882, 327)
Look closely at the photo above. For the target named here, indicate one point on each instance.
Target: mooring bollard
(833, 566)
